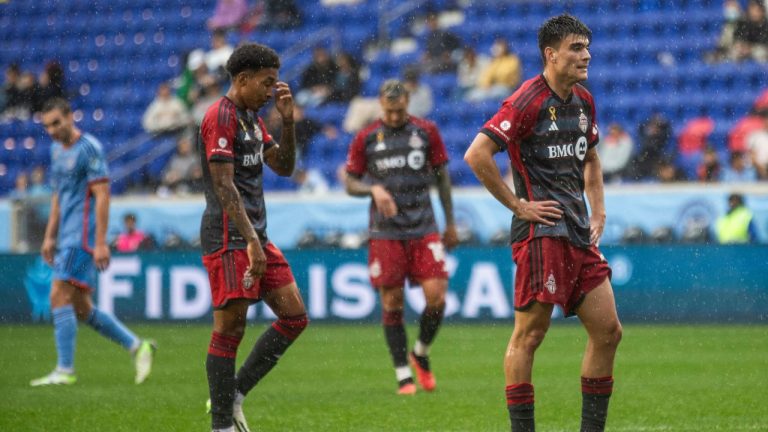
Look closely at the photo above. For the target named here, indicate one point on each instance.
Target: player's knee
(60, 298)
(234, 329)
(615, 333)
(528, 340)
(82, 313)
(291, 327)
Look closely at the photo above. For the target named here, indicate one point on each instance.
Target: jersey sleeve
(95, 165)
(268, 141)
(438, 155)
(217, 131)
(504, 128)
(356, 159)
(593, 134)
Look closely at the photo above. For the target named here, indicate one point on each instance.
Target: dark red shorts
(552, 270)
(226, 270)
(391, 261)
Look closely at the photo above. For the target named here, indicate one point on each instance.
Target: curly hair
(557, 28)
(252, 57)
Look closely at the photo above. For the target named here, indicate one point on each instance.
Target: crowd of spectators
(24, 94)
(629, 153)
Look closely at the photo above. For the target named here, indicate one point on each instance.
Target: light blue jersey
(73, 170)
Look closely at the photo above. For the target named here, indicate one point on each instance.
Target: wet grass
(338, 378)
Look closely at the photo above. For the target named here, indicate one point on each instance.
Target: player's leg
(531, 326)
(598, 314)
(429, 324)
(228, 330)
(392, 305)
(291, 321)
(65, 335)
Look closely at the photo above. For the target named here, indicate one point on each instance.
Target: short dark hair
(557, 28)
(252, 57)
(393, 89)
(57, 103)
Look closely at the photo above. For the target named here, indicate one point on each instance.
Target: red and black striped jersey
(547, 139)
(403, 160)
(229, 134)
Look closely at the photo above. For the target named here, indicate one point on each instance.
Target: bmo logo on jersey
(252, 159)
(569, 150)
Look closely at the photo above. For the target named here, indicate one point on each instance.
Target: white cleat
(239, 419)
(56, 377)
(143, 359)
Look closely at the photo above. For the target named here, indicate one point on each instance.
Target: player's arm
(48, 249)
(355, 186)
(282, 158)
(479, 157)
(593, 185)
(443, 180)
(222, 177)
(100, 192)
(383, 200)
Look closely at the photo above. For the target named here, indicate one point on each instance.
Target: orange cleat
(407, 389)
(424, 376)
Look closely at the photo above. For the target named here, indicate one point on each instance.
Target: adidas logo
(553, 127)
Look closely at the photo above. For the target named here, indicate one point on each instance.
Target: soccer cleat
(423, 375)
(238, 418)
(56, 377)
(407, 389)
(143, 359)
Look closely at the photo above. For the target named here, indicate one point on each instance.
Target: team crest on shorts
(551, 285)
(375, 269)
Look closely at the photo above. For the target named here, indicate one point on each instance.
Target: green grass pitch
(339, 378)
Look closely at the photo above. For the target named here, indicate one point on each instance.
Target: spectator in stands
(11, 89)
(187, 84)
(347, 83)
(738, 170)
(217, 57)
(469, 69)
(310, 180)
(131, 238)
(737, 225)
(421, 101)
(21, 95)
(38, 188)
(228, 14)
(615, 151)
(318, 79)
(439, 47)
(282, 14)
(726, 42)
(667, 172)
(50, 85)
(709, 169)
(21, 189)
(654, 135)
(362, 111)
(501, 76)
(209, 92)
(166, 113)
(751, 34)
(757, 143)
(183, 173)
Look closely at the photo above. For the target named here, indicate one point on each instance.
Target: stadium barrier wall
(290, 215)
(652, 284)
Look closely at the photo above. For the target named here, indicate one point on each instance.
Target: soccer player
(76, 244)
(243, 266)
(548, 129)
(401, 156)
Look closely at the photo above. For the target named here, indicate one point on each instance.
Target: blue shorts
(76, 266)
